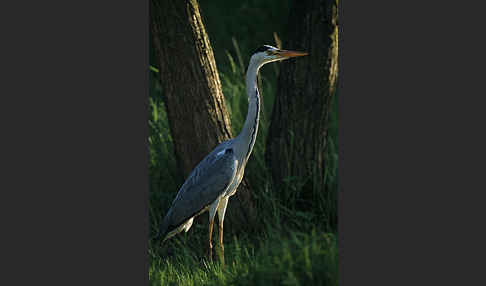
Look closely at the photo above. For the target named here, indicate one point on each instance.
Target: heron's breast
(234, 185)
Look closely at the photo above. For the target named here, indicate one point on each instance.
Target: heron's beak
(290, 54)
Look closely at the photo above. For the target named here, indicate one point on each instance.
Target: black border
(409, 117)
(341, 201)
(76, 82)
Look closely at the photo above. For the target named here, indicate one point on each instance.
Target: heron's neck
(249, 131)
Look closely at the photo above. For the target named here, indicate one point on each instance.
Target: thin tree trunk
(193, 98)
(298, 130)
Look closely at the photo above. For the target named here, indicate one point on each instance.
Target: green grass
(279, 257)
(291, 244)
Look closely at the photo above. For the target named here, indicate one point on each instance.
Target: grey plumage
(209, 180)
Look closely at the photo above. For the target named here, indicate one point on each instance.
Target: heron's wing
(211, 177)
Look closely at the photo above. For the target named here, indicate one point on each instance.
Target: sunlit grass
(279, 257)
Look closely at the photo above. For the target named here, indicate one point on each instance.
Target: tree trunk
(298, 130)
(192, 93)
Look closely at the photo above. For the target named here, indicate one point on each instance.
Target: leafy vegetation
(295, 242)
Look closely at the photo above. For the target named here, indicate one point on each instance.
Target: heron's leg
(210, 254)
(212, 214)
(221, 212)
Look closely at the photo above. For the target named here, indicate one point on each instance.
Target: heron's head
(267, 54)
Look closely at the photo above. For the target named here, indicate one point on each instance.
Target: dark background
(74, 153)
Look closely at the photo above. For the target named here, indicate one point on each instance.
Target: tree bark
(297, 136)
(192, 93)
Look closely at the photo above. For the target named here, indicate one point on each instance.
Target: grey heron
(217, 176)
